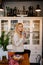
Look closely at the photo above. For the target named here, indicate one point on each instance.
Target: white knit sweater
(18, 43)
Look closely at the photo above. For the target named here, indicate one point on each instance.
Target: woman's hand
(24, 35)
(18, 58)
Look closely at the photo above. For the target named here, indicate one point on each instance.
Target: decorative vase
(15, 11)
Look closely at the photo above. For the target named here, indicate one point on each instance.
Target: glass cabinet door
(36, 31)
(4, 26)
(26, 25)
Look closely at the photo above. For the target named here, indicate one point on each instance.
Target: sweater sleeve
(17, 40)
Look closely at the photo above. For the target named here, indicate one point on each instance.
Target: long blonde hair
(17, 26)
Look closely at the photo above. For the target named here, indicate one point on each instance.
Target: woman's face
(20, 28)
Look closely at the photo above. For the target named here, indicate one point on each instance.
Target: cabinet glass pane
(36, 35)
(36, 41)
(26, 23)
(36, 25)
(13, 24)
(36, 32)
(4, 25)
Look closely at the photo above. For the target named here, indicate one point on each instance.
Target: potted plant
(4, 41)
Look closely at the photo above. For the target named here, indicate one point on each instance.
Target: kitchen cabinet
(32, 28)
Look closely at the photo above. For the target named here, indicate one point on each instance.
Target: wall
(19, 5)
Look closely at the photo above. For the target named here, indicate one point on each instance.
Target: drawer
(36, 50)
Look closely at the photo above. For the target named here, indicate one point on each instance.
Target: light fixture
(1, 8)
(38, 9)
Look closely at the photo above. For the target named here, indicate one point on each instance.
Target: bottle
(15, 11)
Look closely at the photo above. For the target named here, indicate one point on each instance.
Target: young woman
(18, 47)
(19, 38)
